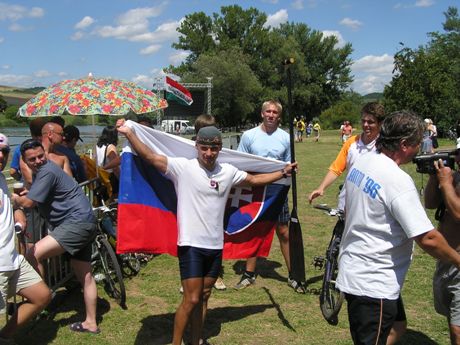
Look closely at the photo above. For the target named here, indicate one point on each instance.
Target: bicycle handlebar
(329, 210)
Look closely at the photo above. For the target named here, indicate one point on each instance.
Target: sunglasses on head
(5, 150)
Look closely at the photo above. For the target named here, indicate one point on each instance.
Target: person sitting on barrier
(17, 276)
(51, 136)
(202, 187)
(107, 156)
(64, 205)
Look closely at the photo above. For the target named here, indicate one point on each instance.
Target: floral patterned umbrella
(92, 96)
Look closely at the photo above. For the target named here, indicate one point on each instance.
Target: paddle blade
(296, 251)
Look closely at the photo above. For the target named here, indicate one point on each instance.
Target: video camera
(425, 161)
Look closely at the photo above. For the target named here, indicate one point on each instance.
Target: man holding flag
(202, 186)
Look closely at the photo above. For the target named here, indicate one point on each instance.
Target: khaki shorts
(11, 282)
(446, 292)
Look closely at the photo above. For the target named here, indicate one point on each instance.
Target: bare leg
(82, 270)
(199, 312)
(251, 264)
(454, 334)
(38, 296)
(396, 332)
(192, 298)
(40, 268)
(282, 231)
(46, 248)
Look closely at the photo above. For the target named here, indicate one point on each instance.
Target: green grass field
(269, 313)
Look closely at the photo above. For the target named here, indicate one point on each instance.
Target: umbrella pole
(296, 250)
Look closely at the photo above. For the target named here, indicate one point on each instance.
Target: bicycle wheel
(331, 298)
(113, 277)
(130, 264)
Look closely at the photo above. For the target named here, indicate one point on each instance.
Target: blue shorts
(199, 262)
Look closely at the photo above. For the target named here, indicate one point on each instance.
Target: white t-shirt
(201, 199)
(384, 213)
(9, 258)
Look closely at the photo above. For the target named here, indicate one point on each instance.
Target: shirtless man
(443, 192)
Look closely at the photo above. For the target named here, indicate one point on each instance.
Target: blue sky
(42, 42)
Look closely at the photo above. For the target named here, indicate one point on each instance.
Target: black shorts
(199, 262)
(371, 319)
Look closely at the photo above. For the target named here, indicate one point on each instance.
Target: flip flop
(78, 327)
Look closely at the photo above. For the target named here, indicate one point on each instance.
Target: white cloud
(424, 3)
(17, 80)
(337, 34)
(6, 67)
(177, 58)
(351, 23)
(144, 80)
(84, 23)
(132, 23)
(62, 74)
(16, 12)
(150, 49)
(164, 32)
(15, 27)
(297, 4)
(271, 1)
(372, 73)
(2, 39)
(78, 35)
(42, 74)
(274, 20)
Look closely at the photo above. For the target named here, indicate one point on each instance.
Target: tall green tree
(236, 90)
(320, 74)
(427, 79)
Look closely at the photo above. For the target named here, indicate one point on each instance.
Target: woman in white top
(107, 155)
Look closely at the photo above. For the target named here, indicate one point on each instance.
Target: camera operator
(384, 218)
(443, 193)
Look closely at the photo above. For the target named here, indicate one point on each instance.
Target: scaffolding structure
(160, 87)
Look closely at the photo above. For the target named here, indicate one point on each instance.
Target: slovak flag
(147, 201)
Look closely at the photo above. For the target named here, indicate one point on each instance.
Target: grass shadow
(45, 328)
(416, 338)
(265, 269)
(158, 329)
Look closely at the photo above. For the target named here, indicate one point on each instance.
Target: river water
(16, 135)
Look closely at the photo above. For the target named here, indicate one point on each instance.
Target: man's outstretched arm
(160, 162)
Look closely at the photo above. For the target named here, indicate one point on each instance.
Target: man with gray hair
(384, 217)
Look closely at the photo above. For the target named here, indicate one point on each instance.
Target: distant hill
(18, 96)
(373, 97)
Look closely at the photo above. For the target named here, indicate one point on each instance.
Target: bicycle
(331, 298)
(105, 266)
(130, 263)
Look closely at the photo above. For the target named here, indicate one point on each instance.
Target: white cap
(427, 120)
(3, 140)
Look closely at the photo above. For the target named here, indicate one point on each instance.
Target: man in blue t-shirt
(268, 140)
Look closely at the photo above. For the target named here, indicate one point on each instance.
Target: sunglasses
(5, 150)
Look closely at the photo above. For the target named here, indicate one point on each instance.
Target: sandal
(78, 327)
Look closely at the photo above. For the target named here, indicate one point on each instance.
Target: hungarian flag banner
(147, 201)
(177, 92)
